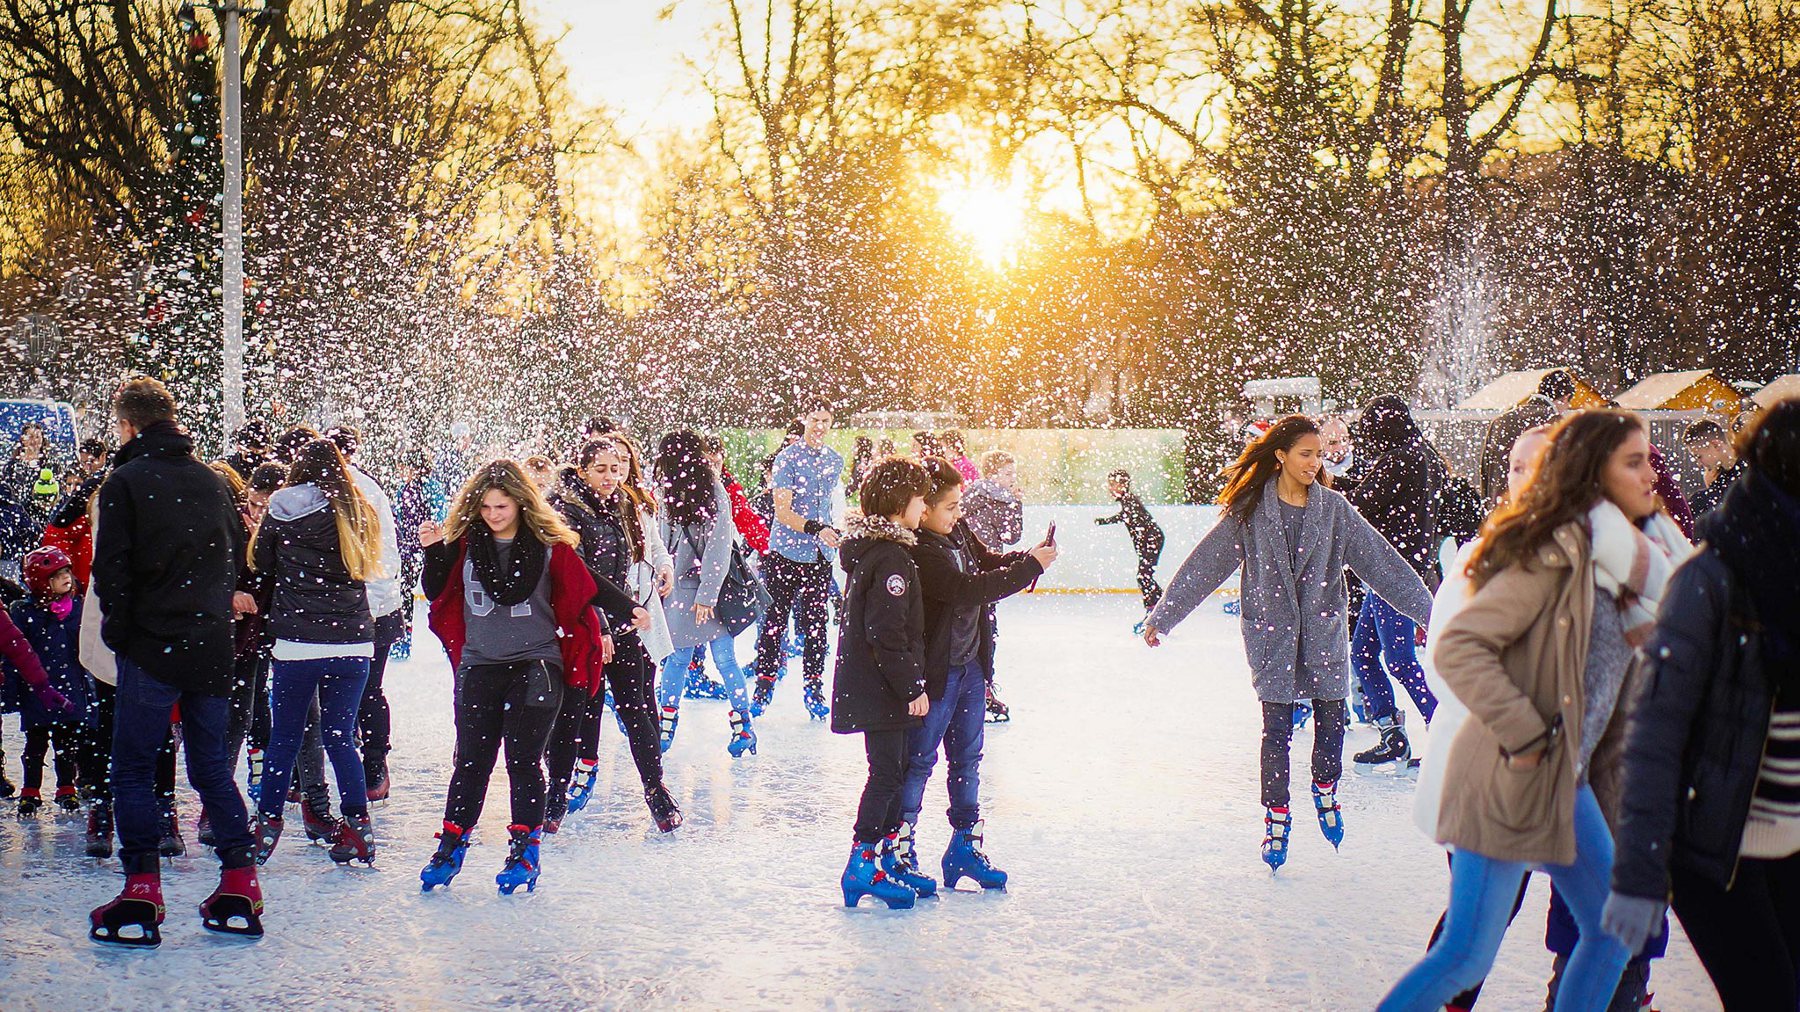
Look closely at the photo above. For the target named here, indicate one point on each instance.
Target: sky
(629, 56)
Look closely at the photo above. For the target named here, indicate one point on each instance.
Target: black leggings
(1748, 936)
(632, 679)
(373, 721)
(1278, 734)
(879, 813)
(1146, 574)
(803, 588)
(69, 739)
(494, 705)
(249, 708)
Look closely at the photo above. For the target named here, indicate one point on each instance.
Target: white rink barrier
(1101, 559)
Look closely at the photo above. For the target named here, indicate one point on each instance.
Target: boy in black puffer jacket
(878, 690)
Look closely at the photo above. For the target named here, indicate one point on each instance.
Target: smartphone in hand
(1050, 538)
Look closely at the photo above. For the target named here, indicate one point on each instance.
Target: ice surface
(1121, 800)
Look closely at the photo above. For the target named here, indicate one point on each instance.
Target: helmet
(40, 565)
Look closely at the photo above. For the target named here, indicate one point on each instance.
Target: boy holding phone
(960, 579)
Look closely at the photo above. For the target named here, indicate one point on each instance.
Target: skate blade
(149, 939)
(237, 926)
(1381, 769)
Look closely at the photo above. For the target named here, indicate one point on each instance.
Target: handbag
(743, 598)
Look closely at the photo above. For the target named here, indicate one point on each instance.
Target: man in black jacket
(959, 578)
(165, 571)
(1397, 494)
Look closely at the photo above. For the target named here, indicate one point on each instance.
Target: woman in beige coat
(1566, 582)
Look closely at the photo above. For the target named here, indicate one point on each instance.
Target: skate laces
(977, 835)
(1276, 829)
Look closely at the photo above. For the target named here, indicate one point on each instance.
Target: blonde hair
(232, 482)
(993, 460)
(535, 515)
(321, 464)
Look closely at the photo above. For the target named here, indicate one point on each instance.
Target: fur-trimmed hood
(863, 535)
(880, 528)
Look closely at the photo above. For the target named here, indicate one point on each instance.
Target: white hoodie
(386, 596)
(1452, 596)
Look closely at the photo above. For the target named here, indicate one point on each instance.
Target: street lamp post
(231, 115)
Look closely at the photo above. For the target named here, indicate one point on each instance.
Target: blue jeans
(1382, 633)
(675, 668)
(1481, 899)
(141, 710)
(338, 682)
(955, 722)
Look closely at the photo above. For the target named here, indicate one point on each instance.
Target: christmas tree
(180, 338)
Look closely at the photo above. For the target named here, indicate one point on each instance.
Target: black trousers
(68, 738)
(496, 705)
(1329, 716)
(879, 812)
(804, 590)
(1148, 555)
(632, 678)
(1748, 936)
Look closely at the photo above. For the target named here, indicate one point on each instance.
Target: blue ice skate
(1276, 824)
(743, 736)
(863, 877)
(1303, 712)
(453, 844)
(521, 867)
(964, 858)
(899, 861)
(1331, 817)
(665, 738)
(816, 707)
(581, 785)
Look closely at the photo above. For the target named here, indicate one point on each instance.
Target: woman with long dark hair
(1711, 808)
(1292, 537)
(310, 557)
(1565, 583)
(510, 600)
(695, 519)
(593, 502)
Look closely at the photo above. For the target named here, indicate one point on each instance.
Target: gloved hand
(54, 700)
(1631, 919)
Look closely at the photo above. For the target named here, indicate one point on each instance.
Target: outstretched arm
(1210, 564)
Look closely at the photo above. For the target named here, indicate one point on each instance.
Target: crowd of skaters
(243, 612)
(1607, 699)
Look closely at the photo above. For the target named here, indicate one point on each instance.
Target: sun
(989, 215)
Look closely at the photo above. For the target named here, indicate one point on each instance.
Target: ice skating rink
(1122, 801)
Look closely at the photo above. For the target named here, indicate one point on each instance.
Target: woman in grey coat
(694, 515)
(1292, 538)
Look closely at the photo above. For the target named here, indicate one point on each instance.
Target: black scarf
(1756, 531)
(525, 566)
